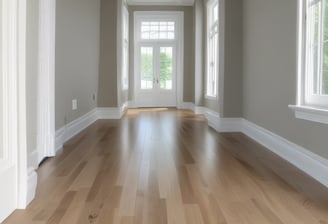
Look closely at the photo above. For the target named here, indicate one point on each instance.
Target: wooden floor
(167, 166)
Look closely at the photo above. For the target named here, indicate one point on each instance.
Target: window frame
(125, 48)
(210, 26)
(179, 17)
(308, 106)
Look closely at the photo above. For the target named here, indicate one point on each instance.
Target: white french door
(157, 51)
(156, 75)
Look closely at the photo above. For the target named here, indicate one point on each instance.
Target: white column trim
(21, 101)
(46, 85)
(13, 164)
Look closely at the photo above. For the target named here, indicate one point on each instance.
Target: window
(312, 99)
(158, 30)
(315, 51)
(125, 55)
(212, 48)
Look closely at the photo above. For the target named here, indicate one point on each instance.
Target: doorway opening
(158, 59)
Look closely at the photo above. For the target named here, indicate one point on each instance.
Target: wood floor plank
(166, 166)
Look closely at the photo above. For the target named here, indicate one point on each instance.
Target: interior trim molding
(310, 113)
(307, 161)
(68, 131)
(186, 106)
(46, 80)
(32, 180)
(73, 128)
(111, 112)
(33, 159)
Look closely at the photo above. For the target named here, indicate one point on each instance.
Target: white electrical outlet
(74, 104)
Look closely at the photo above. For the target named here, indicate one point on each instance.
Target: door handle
(157, 81)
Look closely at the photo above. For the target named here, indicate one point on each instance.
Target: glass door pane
(166, 68)
(146, 67)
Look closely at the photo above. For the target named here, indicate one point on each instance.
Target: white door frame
(13, 70)
(46, 80)
(179, 15)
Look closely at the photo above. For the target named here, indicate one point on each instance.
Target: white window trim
(125, 13)
(209, 6)
(313, 110)
(221, 28)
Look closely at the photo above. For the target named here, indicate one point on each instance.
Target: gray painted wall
(77, 57)
(232, 97)
(189, 58)
(230, 92)
(32, 32)
(199, 37)
(107, 90)
(269, 73)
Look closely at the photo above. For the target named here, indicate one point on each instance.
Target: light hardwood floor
(166, 166)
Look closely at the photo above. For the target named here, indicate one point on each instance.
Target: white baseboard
(214, 120)
(73, 128)
(187, 106)
(109, 113)
(59, 139)
(310, 163)
(32, 180)
(33, 159)
(200, 110)
(307, 161)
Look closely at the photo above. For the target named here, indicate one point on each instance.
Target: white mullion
(323, 45)
(310, 77)
(320, 52)
(309, 45)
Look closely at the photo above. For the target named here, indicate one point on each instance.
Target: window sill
(310, 113)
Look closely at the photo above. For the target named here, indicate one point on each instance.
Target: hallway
(167, 166)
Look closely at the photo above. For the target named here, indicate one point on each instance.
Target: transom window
(157, 30)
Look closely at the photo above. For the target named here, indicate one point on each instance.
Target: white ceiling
(160, 2)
